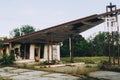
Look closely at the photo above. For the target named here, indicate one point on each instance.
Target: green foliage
(80, 47)
(64, 49)
(3, 38)
(26, 29)
(16, 32)
(43, 63)
(96, 46)
(48, 63)
(99, 44)
(1, 45)
(86, 59)
(102, 64)
(7, 60)
(4, 78)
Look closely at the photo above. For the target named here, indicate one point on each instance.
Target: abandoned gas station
(44, 45)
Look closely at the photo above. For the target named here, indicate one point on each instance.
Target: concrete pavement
(26, 74)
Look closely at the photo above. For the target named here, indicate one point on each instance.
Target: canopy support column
(10, 48)
(24, 51)
(48, 50)
(71, 49)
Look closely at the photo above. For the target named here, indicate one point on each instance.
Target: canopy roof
(61, 32)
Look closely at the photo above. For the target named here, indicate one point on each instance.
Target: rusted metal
(113, 33)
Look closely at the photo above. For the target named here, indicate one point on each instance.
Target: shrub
(7, 59)
(102, 64)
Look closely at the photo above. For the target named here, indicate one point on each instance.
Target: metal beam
(71, 49)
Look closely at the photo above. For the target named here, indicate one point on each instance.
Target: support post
(48, 51)
(51, 42)
(10, 48)
(24, 51)
(71, 49)
(52, 51)
(109, 51)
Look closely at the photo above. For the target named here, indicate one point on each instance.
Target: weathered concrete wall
(56, 52)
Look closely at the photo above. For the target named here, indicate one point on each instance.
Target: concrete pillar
(32, 52)
(47, 52)
(56, 52)
(24, 51)
(10, 48)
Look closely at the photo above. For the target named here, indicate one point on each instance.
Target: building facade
(32, 52)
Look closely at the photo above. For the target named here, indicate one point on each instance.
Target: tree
(3, 38)
(64, 49)
(80, 45)
(26, 29)
(99, 44)
(15, 32)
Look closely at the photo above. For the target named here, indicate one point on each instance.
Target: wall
(56, 52)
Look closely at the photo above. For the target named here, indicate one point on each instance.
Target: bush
(103, 64)
(7, 59)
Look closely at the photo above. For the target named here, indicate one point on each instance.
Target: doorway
(42, 50)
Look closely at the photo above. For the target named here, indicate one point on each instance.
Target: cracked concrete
(109, 75)
(26, 74)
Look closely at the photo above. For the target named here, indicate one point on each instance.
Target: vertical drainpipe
(71, 49)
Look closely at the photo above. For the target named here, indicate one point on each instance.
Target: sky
(42, 14)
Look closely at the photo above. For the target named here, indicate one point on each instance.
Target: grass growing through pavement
(4, 78)
(78, 70)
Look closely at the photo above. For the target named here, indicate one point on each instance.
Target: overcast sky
(42, 14)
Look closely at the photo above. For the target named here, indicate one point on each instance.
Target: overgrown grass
(86, 59)
(4, 78)
(81, 71)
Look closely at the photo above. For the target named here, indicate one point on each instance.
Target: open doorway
(42, 50)
(24, 50)
(37, 54)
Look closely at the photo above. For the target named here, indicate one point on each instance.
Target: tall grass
(86, 59)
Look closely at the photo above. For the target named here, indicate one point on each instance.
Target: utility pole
(113, 34)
